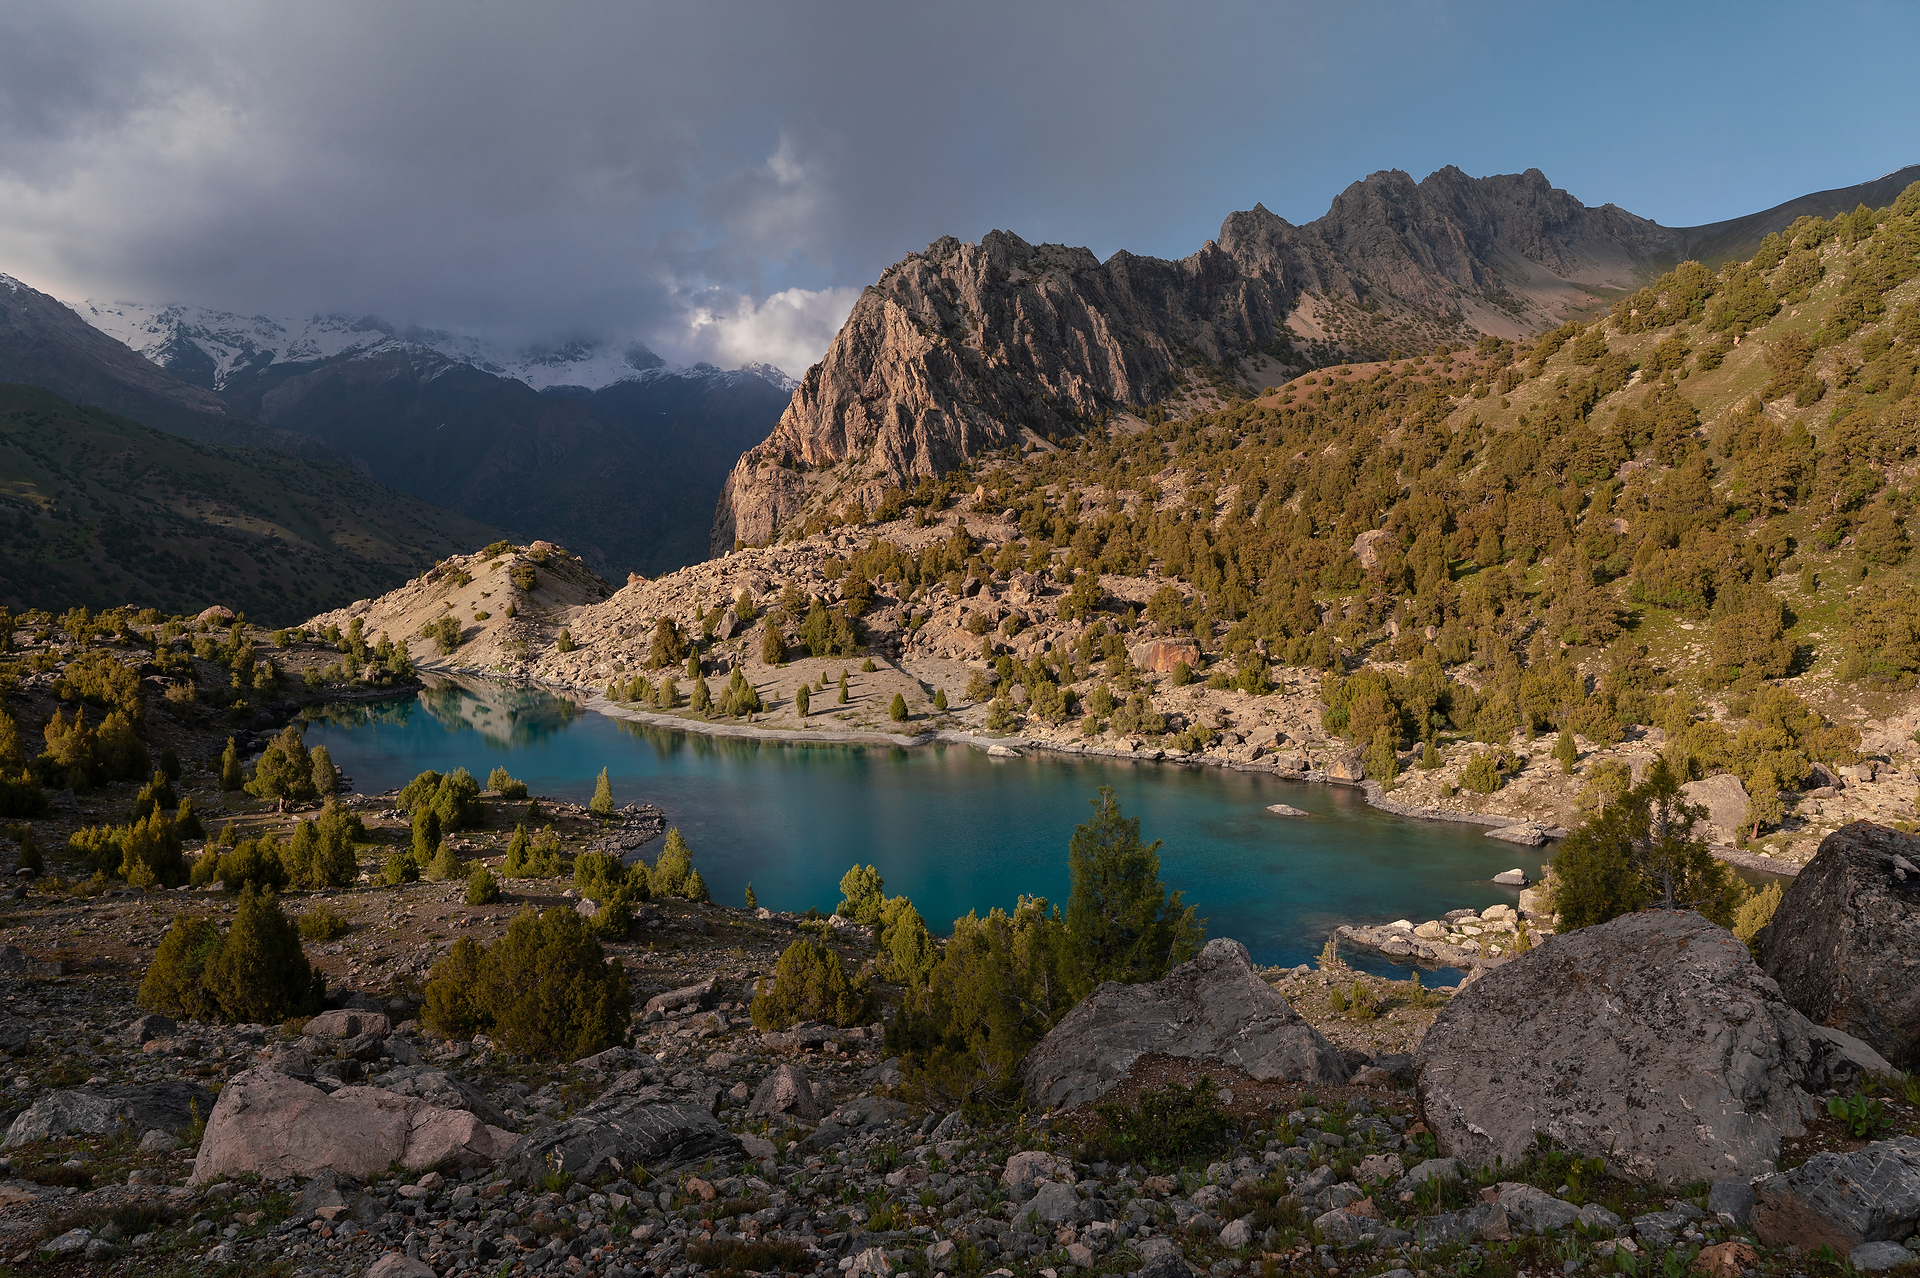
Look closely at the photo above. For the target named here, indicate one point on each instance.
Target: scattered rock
(346, 1023)
(1346, 765)
(785, 1091)
(1844, 943)
(1874, 1256)
(1732, 1198)
(1653, 1041)
(151, 1026)
(1432, 1168)
(1032, 1165)
(1214, 1008)
(1056, 1204)
(1726, 1260)
(396, 1265)
(1526, 834)
(687, 996)
(1286, 810)
(1160, 656)
(1842, 1200)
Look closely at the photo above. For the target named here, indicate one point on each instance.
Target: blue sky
(721, 179)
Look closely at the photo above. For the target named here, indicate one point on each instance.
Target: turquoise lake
(944, 824)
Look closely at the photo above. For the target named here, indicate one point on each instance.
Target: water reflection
(504, 715)
(944, 824)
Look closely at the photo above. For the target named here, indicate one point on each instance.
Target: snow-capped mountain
(210, 348)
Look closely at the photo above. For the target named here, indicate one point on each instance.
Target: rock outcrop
(623, 1130)
(142, 1107)
(1842, 1200)
(965, 348)
(1212, 1009)
(274, 1125)
(1844, 943)
(1653, 1041)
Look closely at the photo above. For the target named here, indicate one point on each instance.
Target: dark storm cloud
(720, 179)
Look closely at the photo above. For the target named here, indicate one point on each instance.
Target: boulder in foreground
(1842, 1200)
(1653, 1041)
(277, 1126)
(1214, 1009)
(1844, 943)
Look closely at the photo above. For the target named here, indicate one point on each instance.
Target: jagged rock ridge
(965, 348)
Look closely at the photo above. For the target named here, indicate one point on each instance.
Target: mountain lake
(945, 824)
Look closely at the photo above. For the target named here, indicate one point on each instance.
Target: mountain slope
(44, 343)
(1505, 579)
(98, 510)
(1737, 238)
(965, 349)
(626, 476)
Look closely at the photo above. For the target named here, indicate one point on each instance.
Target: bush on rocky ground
(285, 770)
(323, 922)
(482, 887)
(673, 872)
(505, 786)
(809, 984)
(321, 852)
(1173, 1123)
(545, 989)
(1641, 850)
(1003, 981)
(453, 798)
(256, 971)
(145, 853)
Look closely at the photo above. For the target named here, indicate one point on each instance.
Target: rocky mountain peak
(965, 348)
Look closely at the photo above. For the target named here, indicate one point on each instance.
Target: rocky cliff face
(966, 348)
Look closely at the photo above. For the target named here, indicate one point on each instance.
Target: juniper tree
(1123, 922)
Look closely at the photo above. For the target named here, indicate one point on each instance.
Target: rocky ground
(839, 1164)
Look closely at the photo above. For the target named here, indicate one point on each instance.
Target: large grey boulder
(1725, 800)
(275, 1126)
(1845, 943)
(104, 1110)
(1653, 1041)
(1214, 1009)
(1842, 1200)
(639, 1128)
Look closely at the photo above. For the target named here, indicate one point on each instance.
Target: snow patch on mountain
(209, 346)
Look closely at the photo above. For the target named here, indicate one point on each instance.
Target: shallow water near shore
(944, 824)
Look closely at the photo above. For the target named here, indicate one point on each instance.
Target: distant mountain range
(613, 453)
(210, 349)
(967, 348)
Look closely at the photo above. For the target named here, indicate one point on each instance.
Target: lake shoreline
(1003, 747)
